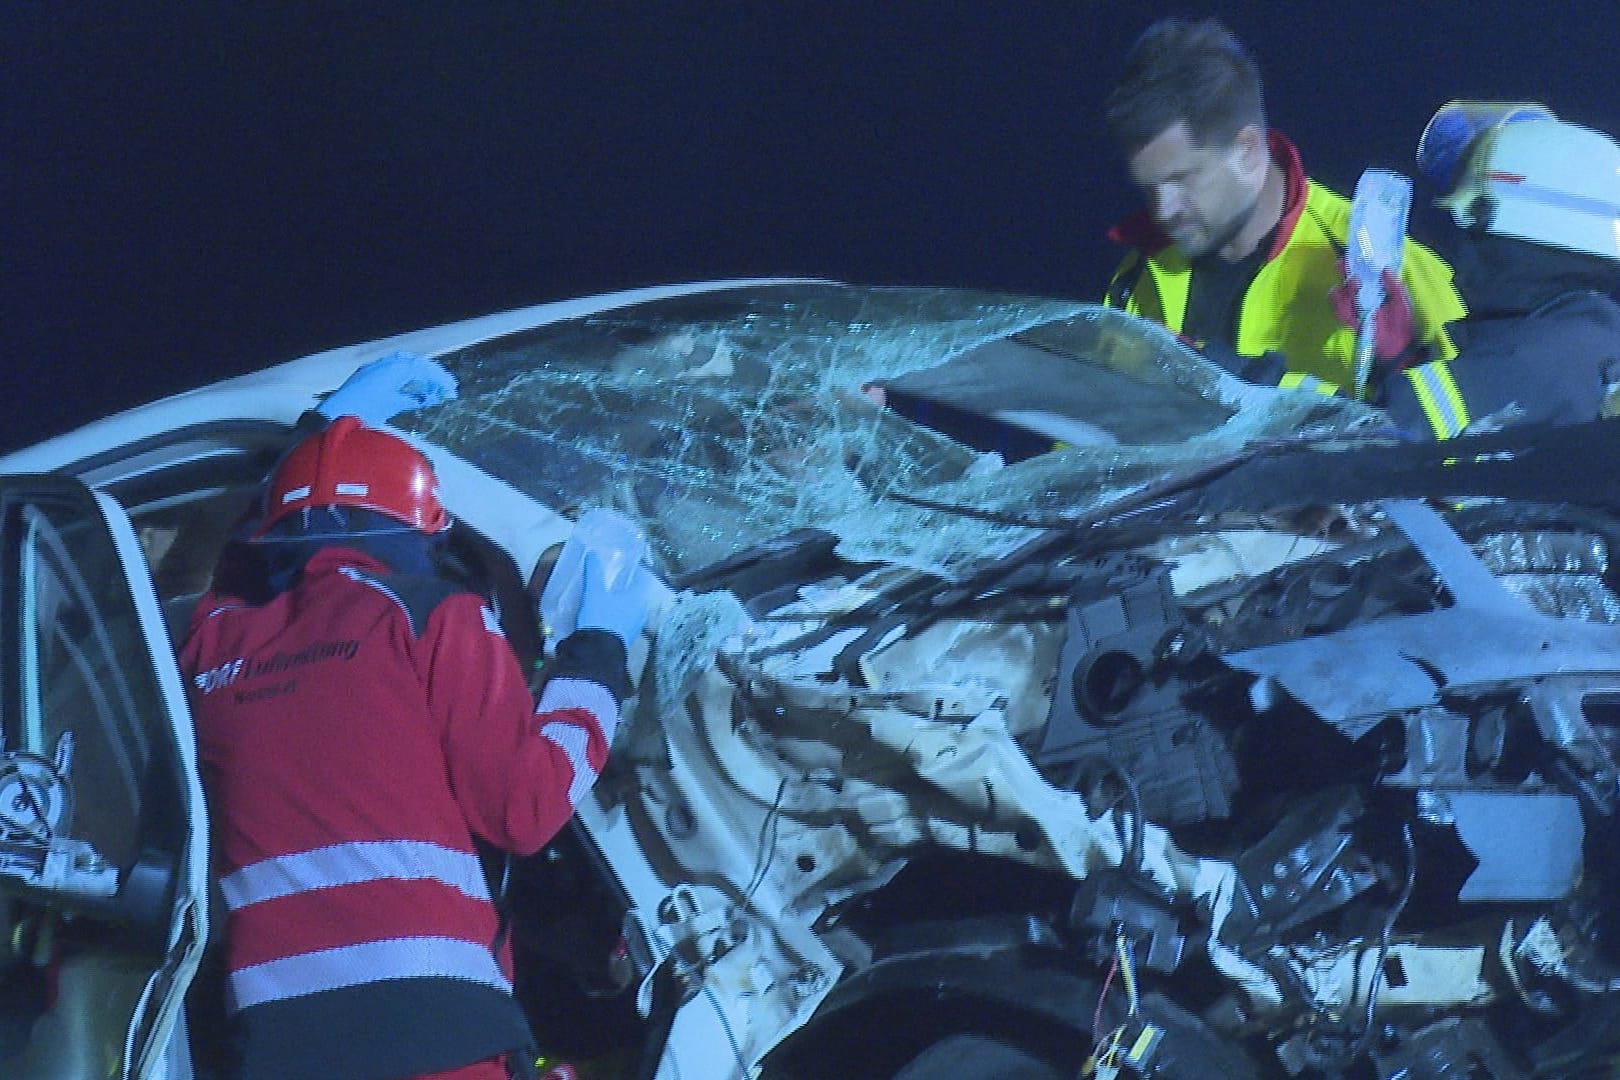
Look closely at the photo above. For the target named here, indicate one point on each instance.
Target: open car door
(103, 856)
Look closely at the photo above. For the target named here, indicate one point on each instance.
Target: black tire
(976, 1057)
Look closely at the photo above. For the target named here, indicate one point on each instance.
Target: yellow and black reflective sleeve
(1441, 401)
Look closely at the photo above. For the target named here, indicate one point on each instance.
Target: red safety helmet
(349, 464)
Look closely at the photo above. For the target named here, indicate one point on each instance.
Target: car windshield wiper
(920, 601)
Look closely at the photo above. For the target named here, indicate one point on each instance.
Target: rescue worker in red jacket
(360, 731)
(1238, 251)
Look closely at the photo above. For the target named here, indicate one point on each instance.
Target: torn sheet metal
(1469, 580)
(1354, 678)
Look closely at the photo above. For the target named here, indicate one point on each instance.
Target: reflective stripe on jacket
(1434, 388)
(1286, 308)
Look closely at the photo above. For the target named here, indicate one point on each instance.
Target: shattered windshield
(724, 419)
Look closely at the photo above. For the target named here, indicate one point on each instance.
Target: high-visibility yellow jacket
(1286, 308)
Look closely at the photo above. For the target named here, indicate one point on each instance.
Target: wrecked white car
(1228, 735)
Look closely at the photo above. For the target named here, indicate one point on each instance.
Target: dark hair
(1195, 72)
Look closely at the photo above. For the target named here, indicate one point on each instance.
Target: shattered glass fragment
(723, 420)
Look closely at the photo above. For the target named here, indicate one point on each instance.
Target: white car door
(103, 855)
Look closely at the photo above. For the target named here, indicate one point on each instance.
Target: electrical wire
(731, 1036)
(666, 975)
(1127, 967)
(766, 853)
(1409, 849)
(1135, 841)
(1108, 981)
(1105, 1052)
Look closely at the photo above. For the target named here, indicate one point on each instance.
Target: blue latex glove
(384, 388)
(620, 609)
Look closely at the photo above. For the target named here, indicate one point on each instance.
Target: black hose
(1135, 850)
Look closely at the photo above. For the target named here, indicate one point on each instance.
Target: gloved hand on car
(1392, 321)
(384, 388)
(619, 607)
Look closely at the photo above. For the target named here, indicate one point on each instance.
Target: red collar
(340, 556)
(1140, 231)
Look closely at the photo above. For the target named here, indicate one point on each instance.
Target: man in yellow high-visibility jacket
(1237, 251)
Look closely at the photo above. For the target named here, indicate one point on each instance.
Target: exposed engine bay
(1282, 769)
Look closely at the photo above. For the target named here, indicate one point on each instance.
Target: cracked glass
(724, 419)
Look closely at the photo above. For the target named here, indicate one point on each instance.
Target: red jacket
(356, 733)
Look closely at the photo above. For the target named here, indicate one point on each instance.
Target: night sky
(194, 191)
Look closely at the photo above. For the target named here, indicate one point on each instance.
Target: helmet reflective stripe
(1546, 181)
(1517, 187)
(1448, 140)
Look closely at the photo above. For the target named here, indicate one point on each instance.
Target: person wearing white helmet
(1537, 204)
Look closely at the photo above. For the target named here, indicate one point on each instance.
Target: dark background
(190, 192)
